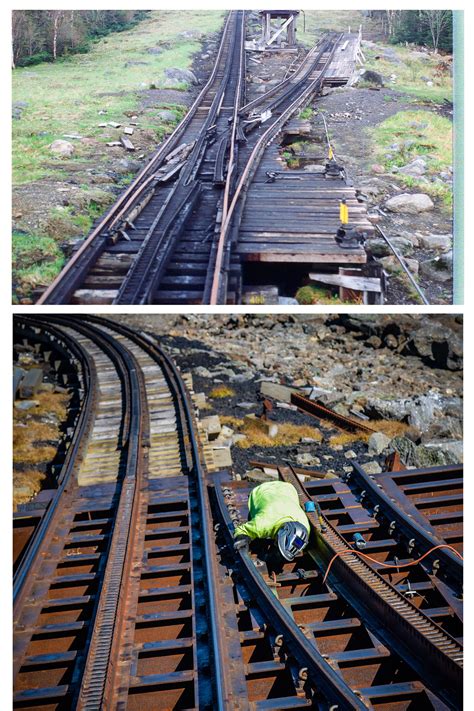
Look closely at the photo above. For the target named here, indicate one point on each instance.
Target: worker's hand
(241, 543)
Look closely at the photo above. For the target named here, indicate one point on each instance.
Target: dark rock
(422, 456)
(439, 268)
(440, 346)
(370, 77)
(374, 341)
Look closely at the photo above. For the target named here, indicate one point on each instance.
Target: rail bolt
(303, 674)
(279, 640)
(392, 527)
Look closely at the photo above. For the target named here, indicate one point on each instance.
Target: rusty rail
(325, 413)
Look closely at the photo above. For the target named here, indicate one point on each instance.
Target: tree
(437, 21)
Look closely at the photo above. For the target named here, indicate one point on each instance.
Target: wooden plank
(358, 283)
(94, 296)
(302, 257)
(321, 232)
(126, 143)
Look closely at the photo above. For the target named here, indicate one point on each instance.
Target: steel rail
(403, 265)
(102, 641)
(219, 676)
(301, 73)
(422, 643)
(67, 469)
(410, 528)
(149, 263)
(249, 170)
(319, 671)
(116, 357)
(315, 409)
(57, 292)
(115, 580)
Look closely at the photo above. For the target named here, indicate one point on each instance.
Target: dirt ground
(349, 112)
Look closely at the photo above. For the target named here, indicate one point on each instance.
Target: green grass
(320, 21)
(410, 72)
(306, 113)
(66, 96)
(430, 136)
(307, 295)
(36, 259)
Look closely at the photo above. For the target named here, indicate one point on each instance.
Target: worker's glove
(241, 543)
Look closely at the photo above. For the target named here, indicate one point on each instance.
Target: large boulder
(438, 269)
(443, 243)
(433, 415)
(423, 455)
(62, 148)
(415, 168)
(437, 345)
(368, 76)
(166, 115)
(392, 265)
(410, 203)
(184, 76)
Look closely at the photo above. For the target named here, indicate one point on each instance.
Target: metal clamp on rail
(348, 236)
(333, 170)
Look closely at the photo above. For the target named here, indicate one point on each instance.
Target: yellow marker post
(343, 212)
(330, 153)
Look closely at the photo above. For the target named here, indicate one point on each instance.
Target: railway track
(114, 608)
(168, 238)
(129, 595)
(364, 650)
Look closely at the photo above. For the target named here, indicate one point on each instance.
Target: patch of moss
(315, 295)
(221, 391)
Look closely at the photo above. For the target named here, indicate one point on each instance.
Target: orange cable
(388, 565)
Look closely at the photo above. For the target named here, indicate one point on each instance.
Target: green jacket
(270, 506)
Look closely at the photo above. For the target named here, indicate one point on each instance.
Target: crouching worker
(275, 513)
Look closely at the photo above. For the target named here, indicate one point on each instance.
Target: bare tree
(437, 21)
(392, 17)
(57, 17)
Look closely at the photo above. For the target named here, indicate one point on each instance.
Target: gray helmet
(292, 538)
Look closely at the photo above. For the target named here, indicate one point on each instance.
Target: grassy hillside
(65, 97)
(56, 199)
(425, 76)
(319, 21)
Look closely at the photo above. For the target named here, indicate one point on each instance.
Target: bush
(35, 59)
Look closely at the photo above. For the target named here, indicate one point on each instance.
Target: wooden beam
(278, 32)
(359, 283)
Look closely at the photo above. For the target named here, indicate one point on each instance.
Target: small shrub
(306, 113)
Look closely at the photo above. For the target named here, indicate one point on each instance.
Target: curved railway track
(168, 239)
(115, 607)
(361, 647)
(129, 594)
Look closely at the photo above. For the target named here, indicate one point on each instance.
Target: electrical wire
(388, 565)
